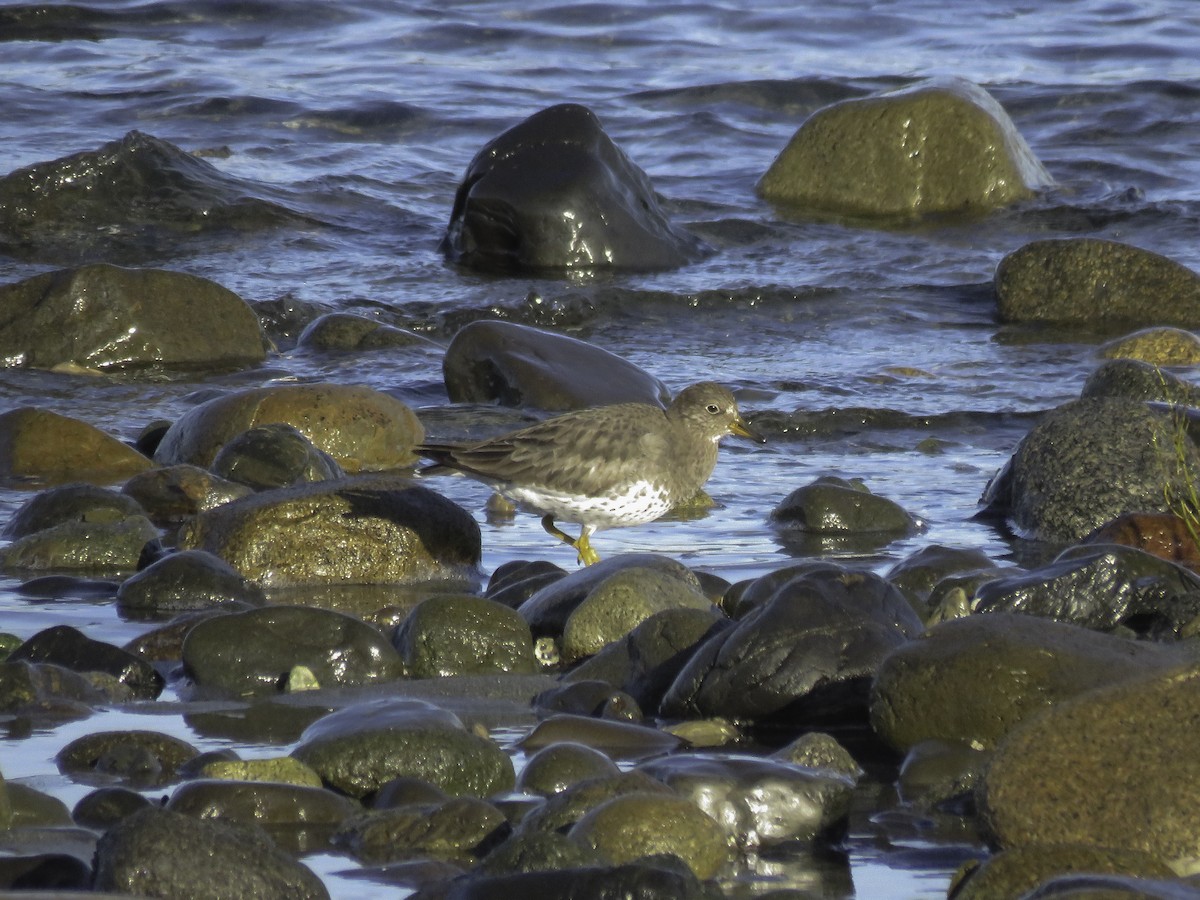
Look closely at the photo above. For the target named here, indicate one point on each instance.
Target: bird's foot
(583, 547)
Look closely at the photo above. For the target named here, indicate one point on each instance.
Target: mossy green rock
(1160, 346)
(364, 530)
(363, 429)
(464, 635)
(617, 605)
(632, 826)
(973, 680)
(70, 503)
(280, 769)
(262, 803)
(1115, 767)
(110, 318)
(556, 767)
(143, 758)
(252, 652)
(1090, 281)
(361, 747)
(937, 147)
(50, 448)
(451, 830)
(1015, 872)
(94, 547)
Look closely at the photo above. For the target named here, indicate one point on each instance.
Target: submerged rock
(1089, 280)
(833, 513)
(46, 447)
(102, 317)
(456, 829)
(361, 428)
(516, 365)
(935, 147)
(346, 331)
(554, 192)
(645, 879)
(143, 759)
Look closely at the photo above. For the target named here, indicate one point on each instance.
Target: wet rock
(464, 635)
(1089, 280)
(1087, 462)
(271, 456)
(807, 655)
(459, 829)
(941, 775)
(1164, 535)
(364, 530)
(936, 147)
(172, 494)
(43, 861)
(1113, 887)
(836, 506)
(918, 575)
(597, 211)
(594, 698)
(62, 645)
(548, 610)
(1136, 380)
(343, 332)
(70, 503)
(278, 769)
(516, 365)
(185, 581)
(556, 767)
(1016, 872)
(407, 791)
(619, 603)
(538, 851)
(649, 658)
(270, 805)
(143, 759)
(106, 806)
(512, 583)
(645, 880)
(84, 546)
(622, 740)
(1095, 769)
(361, 747)
(130, 199)
(632, 826)
(562, 810)
(103, 317)
(758, 803)
(363, 429)
(1101, 586)
(158, 852)
(817, 750)
(49, 448)
(252, 652)
(973, 680)
(47, 691)
(1160, 346)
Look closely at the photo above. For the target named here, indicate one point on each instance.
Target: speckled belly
(640, 502)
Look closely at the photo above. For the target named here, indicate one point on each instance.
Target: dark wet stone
(343, 332)
(1089, 280)
(172, 494)
(941, 775)
(184, 582)
(31, 689)
(648, 660)
(856, 156)
(130, 199)
(817, 750)
(273, 806)
(62, 645)
(619, 739)
(973, 680)
(43, 872)
(1015, 872)
(919, 573)
(598, 211)
(363, 746)
(459, 829)
(33, 809)
(400, 531)
(407, 791)
(158, 852)
(1136, 380)
(97, 547)
(70, 503)
(595, 698)
(645, 880)
(464, 635)
(538, 851)
(512, 583)
(144, 759)
(556, 767)
(252, 652)
(834, 505)
(632, 826)
(1094, 769)
(106, 806)
(1087, 462)
(547, 611)
(568, 806)
(1089, 886)
(517, 365)
(807, 655)
(271, 456)
(363, 429)
(68, 587)
(102, 317)
(1101, 586)
(44, 446)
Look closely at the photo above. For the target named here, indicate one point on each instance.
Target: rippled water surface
(871, 353)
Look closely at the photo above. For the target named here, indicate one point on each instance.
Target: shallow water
(868, 353)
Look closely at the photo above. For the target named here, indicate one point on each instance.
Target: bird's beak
(740, 428)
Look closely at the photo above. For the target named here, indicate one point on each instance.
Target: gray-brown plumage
(604, 467)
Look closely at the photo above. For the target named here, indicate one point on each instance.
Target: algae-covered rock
(936, 147)
(341, 331)
(271, 456)
(185, 581)
(1015, 872)
(144, 759)
(454, 829)
(464, 635)
(1159, 346)
(556, 767)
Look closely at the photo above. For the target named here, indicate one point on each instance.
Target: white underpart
(641, 502)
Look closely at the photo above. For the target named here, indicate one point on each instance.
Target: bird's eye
(713, 408)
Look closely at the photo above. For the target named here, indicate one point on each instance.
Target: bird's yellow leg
(582, 545)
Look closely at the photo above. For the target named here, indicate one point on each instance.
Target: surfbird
(605, 467)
